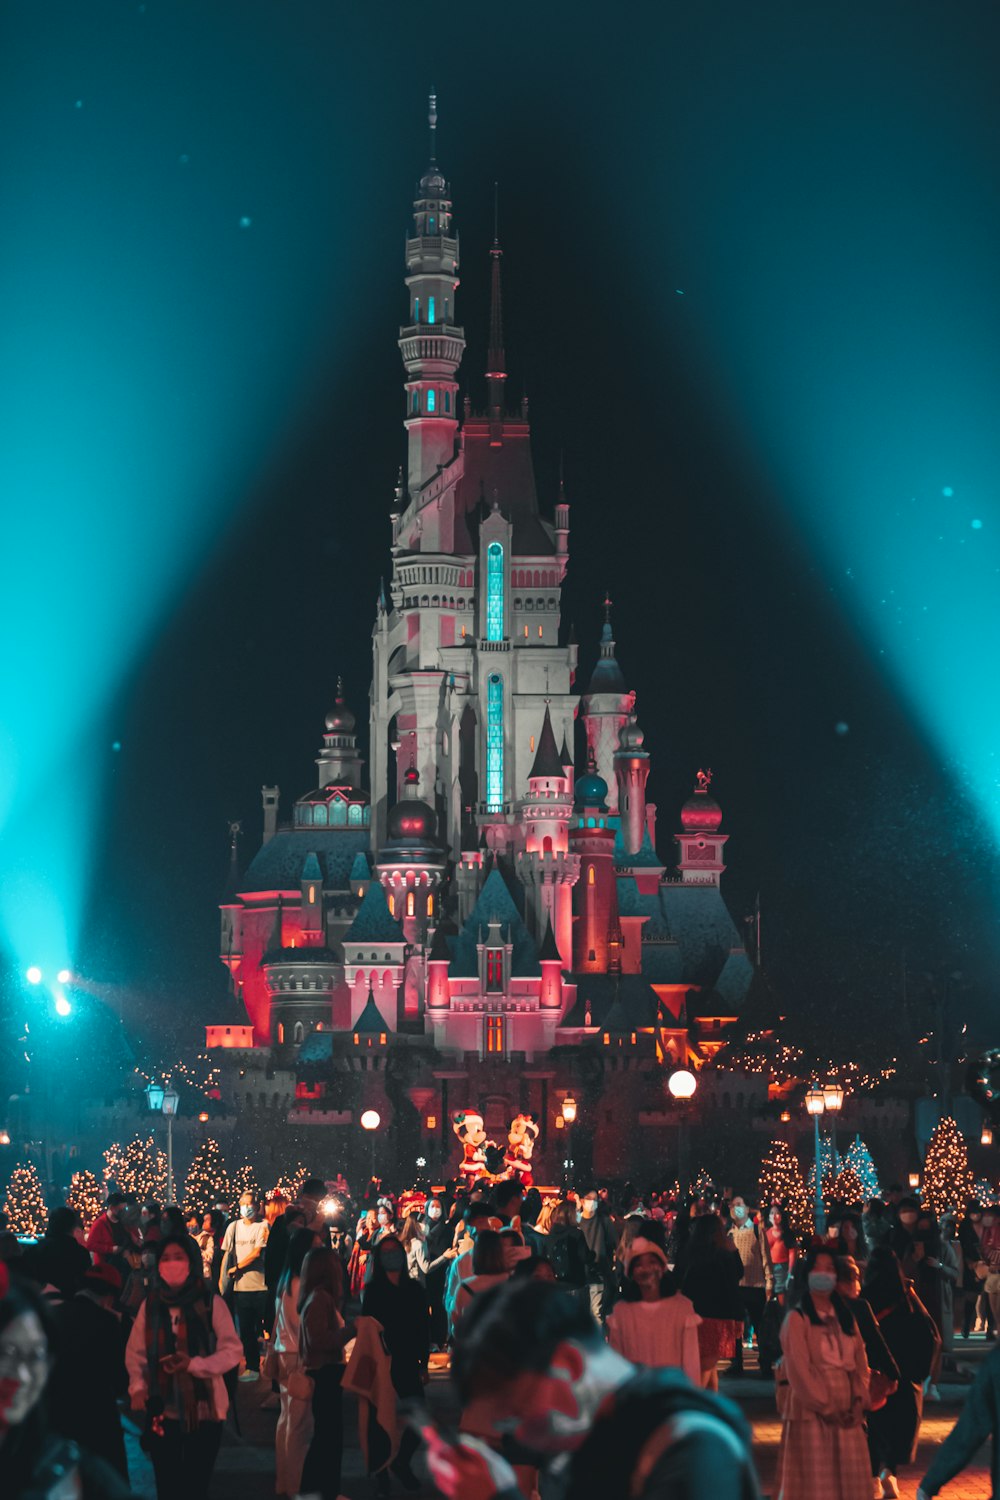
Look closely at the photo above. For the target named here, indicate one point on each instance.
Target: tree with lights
(289, 1183)
(947, 1180)
(114, 1160)
(25, 1202)
(85, 1196)
(859, 1159)
(847, 1187)
(207, 1182)
(781, 1182)
(829, 1163)
(143, 1170)
(245, 1181)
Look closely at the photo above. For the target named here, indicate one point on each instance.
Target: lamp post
(569, 1116)
(826, 1100)
(164, 1101)
(370, 1122)
(682, 1084)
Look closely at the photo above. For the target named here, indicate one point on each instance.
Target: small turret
(631, 774)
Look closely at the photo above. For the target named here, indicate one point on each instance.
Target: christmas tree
(139, 1168)
(781, 1182)
(85, 1196)
(859, 1159)
(114, 1160)
(947, 1181)
(207, 1181)
(829, 1163)
(25, 1203)
(847, 1186)
(245, 1181)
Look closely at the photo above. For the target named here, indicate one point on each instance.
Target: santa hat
(640, 1246)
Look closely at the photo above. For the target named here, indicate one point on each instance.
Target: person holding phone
(182, 1344)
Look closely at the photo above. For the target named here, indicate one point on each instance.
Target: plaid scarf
(183, 1392)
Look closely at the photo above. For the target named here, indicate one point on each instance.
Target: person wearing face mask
(757, 1287)
(823, 1393)
(243, 1247)
(399, 1306)
(370, 1235)
(59, 1261)
(601, 1240)
(182, 1344)
(435, 1253)
(541, 1389)
(110, 1237)
(901, 1239)
(35, 1460)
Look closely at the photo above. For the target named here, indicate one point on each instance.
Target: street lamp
(164, 1101)
(914, 1181)
(370, 1122)
(681, 1085)
(569, 1115)
(825, 1100)
(986, 1139)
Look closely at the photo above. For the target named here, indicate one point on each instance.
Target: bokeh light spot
(977, 524)
(841, 728)
(947, 492)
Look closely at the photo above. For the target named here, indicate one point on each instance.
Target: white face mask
(246, 1210)
(434, 1211)
(739, 1211)
(588, 1208)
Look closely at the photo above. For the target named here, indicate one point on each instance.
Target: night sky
(750, 280)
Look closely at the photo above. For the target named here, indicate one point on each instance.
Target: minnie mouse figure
(521, 1138)
(471, 1131)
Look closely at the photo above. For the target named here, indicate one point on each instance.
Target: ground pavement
(246, 1463)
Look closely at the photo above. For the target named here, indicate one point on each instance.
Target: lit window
(430, 906)
(494, 592)
(416, 309)
(431, 400)
(494, 969)
(382, 1038)
(319, 815)
(463, 632)
(312, 895)
(590, 874)
(539, 632)
(531, 746)
(494, 742)
(494, 1033)
(355, 1039)
(410, 903)
(354, 813)
(525, 632)
(392, 904)
(430, 225)
(281, 1032)
(432, 1122)
(447, 400)
(430, 305)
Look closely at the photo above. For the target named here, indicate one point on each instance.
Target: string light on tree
(289, 1183)
(85, 1196)
(141, 1168)
(245, 1181)
(207, 1181)
(847, 1186)
(859, 1159)
(947, 1179)
(781, 1182)
(25, 1202)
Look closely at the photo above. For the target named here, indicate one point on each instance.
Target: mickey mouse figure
(521, 1138)
(471, 1131)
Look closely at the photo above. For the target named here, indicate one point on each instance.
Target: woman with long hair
(322, 1336)
(490, 1268)
(913, 1341)
(295, 1390)
(567, 1249)
(399, 1305)
(782, 1244)
(711, 1280)
(435, 1252)
(182, 1344)
(823, 1393)
(654, 1324)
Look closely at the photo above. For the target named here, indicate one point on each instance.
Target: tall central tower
(466, 643)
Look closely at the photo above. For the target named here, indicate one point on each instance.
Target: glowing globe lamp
(371, 1119)
(682, 1083)
(833, 1096)
(815, 1102)
(569, 1109)
(34, 975)
(154, 1096)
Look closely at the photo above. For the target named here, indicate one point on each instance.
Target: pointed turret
(496, 364)
(548, 763)
(338, 762)
(631, 774)
(606, 706)
(701, 841)
(550, 996)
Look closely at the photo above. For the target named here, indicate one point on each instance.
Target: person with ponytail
(181, 1346)
(822, 1393)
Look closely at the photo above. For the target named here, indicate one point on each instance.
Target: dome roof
(631, 736)
(411, 822)
(591, 789)
(701, 813)
(340, 720)
(432, 184)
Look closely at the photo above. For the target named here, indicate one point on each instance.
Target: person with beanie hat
(654, 1324)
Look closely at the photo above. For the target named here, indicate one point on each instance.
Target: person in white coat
(654, 1324)
(182, 1344)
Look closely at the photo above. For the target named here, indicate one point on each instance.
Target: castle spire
(496, 364)
(432, 121)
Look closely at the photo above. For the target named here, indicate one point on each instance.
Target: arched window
(416, 309)
(431, 400)
(546, 845)
(431, 310)
(281, 1032)
(410, 903)
(392, 904)
(590, 875)
(338, 812)
(312, 895)
(494, 742)
(299, 1033)
(319, 816)
(447, 400)
(307, 814)
(494, 592)
(354, 814)
(430, 905)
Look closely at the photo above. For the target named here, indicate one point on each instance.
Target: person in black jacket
(89, 1375)
(913, 1341)
(711, 1278)
(59, 1260)
(879, 1355)
(538, 1382)
(399, 1304)
(567, 1249)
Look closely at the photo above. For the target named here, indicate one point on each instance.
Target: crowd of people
(535, 1303)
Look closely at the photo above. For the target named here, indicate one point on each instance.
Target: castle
(488, 924)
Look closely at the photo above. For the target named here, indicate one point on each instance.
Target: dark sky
(719, 221)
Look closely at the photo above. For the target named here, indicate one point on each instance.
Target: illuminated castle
(484, 926)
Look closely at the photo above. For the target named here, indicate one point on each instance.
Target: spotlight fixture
(34, 975)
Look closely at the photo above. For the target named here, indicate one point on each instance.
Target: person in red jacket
(109, 1238)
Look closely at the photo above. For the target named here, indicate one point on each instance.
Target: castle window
(410, 903)
(281, 1032)
(447, 309)
(494, 1034)
(319, 816)
(307, 814)
(447, 400)
(539, 632)
(531, 746)
(494, 969)
(430, 305)
(298, 1034)
(392, 904)
(430, 906)
(382, 1038)
(415, 401)
(431, 400)
(354, 813)
(494, 742)
(494, 592)
(430, 225)
(525, 632)
(416, 309)
(312, 895)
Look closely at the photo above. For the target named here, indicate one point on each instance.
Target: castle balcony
(503, 646)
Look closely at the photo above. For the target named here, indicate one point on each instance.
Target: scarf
(183, 1391)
